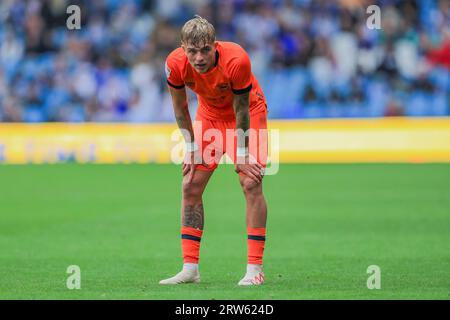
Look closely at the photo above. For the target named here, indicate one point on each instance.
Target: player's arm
(184, 122)
(182, 115)
(241, 84)
(241, 109)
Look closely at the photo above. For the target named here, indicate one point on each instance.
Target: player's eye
(206, 49)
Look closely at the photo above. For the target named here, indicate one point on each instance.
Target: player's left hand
(250, 167)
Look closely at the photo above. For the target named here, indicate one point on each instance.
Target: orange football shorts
(216, 138)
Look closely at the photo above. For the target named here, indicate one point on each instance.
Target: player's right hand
(191, 160)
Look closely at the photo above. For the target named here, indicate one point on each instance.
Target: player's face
(201, 57)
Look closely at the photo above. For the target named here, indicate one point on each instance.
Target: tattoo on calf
(193, 216)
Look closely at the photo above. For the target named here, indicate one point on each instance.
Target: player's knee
(250, 187)
(191, 190)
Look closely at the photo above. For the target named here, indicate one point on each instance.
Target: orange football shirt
(231, 74)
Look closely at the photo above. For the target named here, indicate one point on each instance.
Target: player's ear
(216, 44)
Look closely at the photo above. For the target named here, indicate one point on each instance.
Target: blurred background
(314, 59)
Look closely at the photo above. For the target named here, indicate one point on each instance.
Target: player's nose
(199, 59)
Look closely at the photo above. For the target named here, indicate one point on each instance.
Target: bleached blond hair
(198, 31)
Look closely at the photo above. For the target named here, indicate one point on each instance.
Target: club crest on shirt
(168, 71)
(223, 86)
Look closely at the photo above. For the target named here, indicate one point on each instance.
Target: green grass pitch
(326, 224)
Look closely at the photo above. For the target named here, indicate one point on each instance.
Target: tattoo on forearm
(183, 119)
(241, 109)
(193, 216)
(243, 120)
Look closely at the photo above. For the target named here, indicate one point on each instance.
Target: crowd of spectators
(313, 58)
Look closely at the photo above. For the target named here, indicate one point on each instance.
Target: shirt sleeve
(173, 74)
(241, 74)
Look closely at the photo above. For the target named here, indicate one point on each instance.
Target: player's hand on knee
(253, 171)
(189, 163)
(250, 167)
(186, 169)
(191, 160)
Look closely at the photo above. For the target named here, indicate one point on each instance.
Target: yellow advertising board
(337, 140)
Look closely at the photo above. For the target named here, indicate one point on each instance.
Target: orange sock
(190, 244)
(255, 244)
